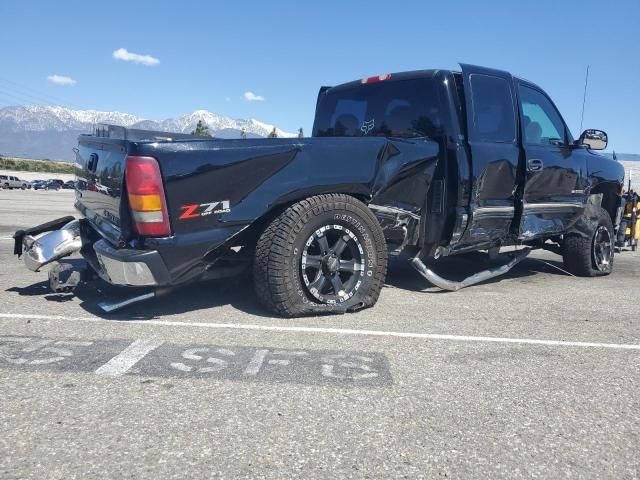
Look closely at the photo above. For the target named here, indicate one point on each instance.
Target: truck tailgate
(100, 167)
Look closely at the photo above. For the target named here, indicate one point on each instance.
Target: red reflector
(145, 190)
(377, 78)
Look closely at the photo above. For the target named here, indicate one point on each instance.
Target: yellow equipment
(629, 233)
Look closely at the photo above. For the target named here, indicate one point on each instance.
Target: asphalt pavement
(535, 374)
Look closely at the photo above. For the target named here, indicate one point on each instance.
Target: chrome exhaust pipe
(482, 276)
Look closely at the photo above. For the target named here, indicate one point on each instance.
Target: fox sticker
(367, 126)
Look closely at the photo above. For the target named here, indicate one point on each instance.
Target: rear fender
(400, 183)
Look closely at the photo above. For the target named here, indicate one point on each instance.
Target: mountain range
(42, 131)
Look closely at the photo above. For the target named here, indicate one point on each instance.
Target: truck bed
(217, 188)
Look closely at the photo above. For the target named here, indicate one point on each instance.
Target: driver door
(555, 171)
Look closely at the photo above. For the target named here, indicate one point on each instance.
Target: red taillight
(377, 78)
(146, 197)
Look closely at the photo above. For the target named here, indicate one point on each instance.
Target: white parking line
(121, 363)
(336, 331)
(256, 362)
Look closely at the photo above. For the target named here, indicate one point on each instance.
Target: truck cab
(509, 170)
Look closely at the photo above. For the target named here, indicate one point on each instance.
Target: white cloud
(61, 80)
(252, 97)
(127, 56)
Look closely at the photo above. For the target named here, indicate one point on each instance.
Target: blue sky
(211, 53)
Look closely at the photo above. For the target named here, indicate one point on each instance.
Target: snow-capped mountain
(42, 117)
(216, 123)
(41, 131)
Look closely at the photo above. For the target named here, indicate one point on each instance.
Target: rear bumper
(127, 267)
(48, 242)
(60, 238)
(164, 262)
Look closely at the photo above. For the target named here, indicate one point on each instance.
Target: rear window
(397, 108)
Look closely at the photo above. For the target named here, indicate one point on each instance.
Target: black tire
(290, 252)
(591, 255)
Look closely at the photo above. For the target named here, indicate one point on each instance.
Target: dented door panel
(492, 138)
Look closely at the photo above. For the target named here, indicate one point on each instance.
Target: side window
(541, 122)
(493, 115)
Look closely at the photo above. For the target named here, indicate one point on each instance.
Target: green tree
(201, 130)
(300, 133)
(273, 133)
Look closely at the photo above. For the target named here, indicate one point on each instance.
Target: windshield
(398, 108)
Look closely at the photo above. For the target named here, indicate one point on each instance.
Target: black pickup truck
(427, 163)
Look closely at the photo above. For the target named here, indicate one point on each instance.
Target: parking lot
(534, 374)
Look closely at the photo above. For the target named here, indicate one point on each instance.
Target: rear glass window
(396, 108)
(493, 114)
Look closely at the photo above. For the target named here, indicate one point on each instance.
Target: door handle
(535, 165)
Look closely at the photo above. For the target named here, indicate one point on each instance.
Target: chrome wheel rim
(602, 249)
(332, 264)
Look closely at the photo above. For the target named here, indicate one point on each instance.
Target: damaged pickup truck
(427, 163)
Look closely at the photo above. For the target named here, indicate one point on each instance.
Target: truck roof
(389, 76)
(408, 75)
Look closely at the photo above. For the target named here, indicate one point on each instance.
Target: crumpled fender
(588, 221)
(400, 159)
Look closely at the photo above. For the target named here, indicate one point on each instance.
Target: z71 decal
(202, 210)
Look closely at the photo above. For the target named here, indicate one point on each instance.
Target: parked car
(428, 163)
(38, 184)
(11, 182)
(69, 185)
(53, 184)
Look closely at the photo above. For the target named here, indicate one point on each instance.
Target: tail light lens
(377, 78)
(146, 197)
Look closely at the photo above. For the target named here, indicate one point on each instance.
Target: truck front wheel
(324, 254)
(591, 255)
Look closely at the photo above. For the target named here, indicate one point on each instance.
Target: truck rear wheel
(324, 254)
(591, 255)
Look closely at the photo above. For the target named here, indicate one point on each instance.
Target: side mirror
(594, 139)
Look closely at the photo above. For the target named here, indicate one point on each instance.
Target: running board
(452, 286)
(109, 307)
